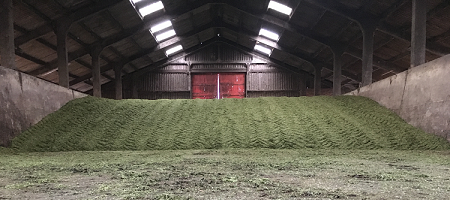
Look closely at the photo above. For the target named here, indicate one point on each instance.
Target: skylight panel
(151, 8)
(263, 49)
(161, 26)
(280, 7)
(135, 1)
(165, 35)
(174, 50)
(269, 34)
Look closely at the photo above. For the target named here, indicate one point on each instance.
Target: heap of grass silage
(345, 122)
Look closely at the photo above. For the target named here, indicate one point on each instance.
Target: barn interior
(224, 99)
(183, 49)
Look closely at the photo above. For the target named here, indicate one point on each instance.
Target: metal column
(62, 29)
(134, 82)
(7, 34)
(118, 81)
(317, 80)
(418, 32)
(95, 54)
(337, 71)
(367, 58)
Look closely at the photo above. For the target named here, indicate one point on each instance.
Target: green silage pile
(345, 122)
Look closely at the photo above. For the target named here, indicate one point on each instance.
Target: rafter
(35, 11)
(437, 9)
(142, 53)
(400, 56)
(440, 37)
(304, 57)
(338, 8)
(275, 62)
(268, 18)
(106, 68)
(294, 8)
(386, 14)
(84, 51)
(317, 20)
(126, 33)
(29, 57)
(325, 41)
(76, 16)
(377, 61)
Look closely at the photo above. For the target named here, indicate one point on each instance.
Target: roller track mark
(380, 128)
(348, 132)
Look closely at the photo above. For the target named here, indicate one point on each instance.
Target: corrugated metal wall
(174, 67)
(254, 94)
(164, 82)
(164, 95)
(209, 53)
(174, 80)
(218, 68)
(266, 80)
(169, 82)
(219, 52)
(227, 53)
(273, 81)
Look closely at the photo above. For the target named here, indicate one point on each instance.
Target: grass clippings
(226, 174)
(345, 122)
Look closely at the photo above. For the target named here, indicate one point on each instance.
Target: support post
(302, 85)
(97, 86)
(7, 34)
(135, 94)
(418, 32)
(337, 71)
(62, 28)
(118, 81)
(368, 30)
(317, 80)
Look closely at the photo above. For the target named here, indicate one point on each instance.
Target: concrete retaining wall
(25, 100)
(421, 96)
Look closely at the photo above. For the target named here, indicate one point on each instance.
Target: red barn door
(204, 86)
(222, 85)
(232, 85)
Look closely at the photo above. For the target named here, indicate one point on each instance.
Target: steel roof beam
(126, 33)
(83, 51)
(20, 53)
(325, 41)
(338, 8)
(304, 57)
(73, 17)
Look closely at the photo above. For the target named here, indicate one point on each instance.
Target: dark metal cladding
(164, 82)
(174, 80)
(164, 95)
(255, 94)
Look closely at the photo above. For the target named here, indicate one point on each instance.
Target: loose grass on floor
(345, 122)
(226, 174)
